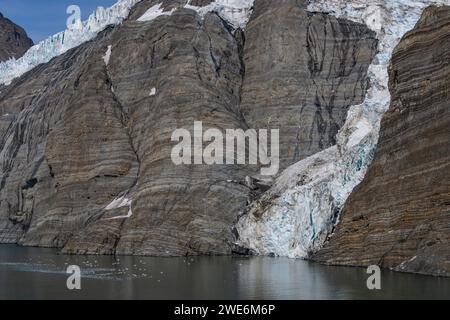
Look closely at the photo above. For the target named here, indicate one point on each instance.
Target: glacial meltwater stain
(34, 273)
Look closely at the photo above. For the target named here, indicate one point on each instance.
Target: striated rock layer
(302, 73)
(86, 138)
(91, 127)
(399, 217)
(14, 41)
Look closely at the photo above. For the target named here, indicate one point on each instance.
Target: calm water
(31, 273)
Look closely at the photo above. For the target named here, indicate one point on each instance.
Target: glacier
(63, 41)
(154, 12)
(235, 12)
(296, 216)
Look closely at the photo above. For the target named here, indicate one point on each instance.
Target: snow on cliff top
(63, 41)
(236, 12)
(311, 193)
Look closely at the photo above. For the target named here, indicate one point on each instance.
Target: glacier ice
(235, 12)
(295, 217)
(63, 41)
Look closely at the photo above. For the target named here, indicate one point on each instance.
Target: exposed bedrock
(86, 138)
(399, 217)
(14, 41)
(302, 73)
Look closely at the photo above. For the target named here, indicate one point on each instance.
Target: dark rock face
(302, 73)
(14, 41)
(195, 69)
(399, 217)
(78, 133)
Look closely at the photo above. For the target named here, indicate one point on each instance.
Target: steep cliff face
(399, 217)
(166, 74)
(14, 41)
(86, 156)
(296, 216)
(302, 73)
(86, 138)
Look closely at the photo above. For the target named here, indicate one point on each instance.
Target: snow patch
(63, 41)
(154, 12)
(130, 213)
(107, 55)
(296, 216)
(120, 203)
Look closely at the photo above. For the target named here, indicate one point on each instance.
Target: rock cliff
(14, 41)
(86, 137)
(302, 73)
(399, 217)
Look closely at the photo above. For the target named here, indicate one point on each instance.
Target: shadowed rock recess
(86, 140)
(14, 41)
(399, 217)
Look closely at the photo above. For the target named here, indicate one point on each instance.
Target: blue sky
(42, 18)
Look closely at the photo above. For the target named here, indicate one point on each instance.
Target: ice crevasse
(295, 217)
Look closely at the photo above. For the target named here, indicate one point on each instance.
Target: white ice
(307, 199)
(61, 42)
(107, 55)
(120, 203)
(154, 12)
(235, 12)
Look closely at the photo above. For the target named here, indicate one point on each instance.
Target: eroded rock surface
(14, 41)
(302, 73)
(399, 217)
(85, 138)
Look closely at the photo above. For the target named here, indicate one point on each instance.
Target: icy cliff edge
(63, 41)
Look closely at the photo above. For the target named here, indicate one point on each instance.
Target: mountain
(399, 217)
(14, 41)
(86, 144)
(87, 119)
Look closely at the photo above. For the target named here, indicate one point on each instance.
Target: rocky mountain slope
(86, 137)
(302, 73)
(399, 217)
(86, 126)
(14, 41)
(297, 214)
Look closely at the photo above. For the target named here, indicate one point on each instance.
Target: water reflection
(31, 273)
